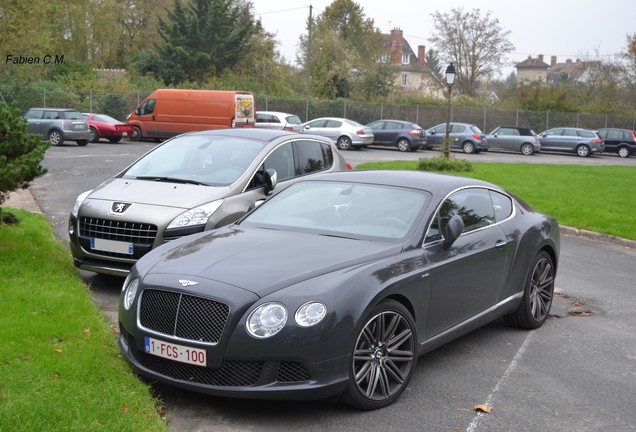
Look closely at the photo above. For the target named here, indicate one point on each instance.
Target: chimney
(397, 42)
(541, 58)
(421, 55)
(553, 61)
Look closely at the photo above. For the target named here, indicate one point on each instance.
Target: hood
(158, 193)
(261, 260)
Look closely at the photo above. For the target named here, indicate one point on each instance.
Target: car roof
(254, 133)
(280, 113)
(54, 109)
(436, 183)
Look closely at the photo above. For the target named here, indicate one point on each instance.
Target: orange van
(169, 112)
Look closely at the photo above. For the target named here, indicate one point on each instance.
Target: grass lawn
(60, 367)
(595, 198)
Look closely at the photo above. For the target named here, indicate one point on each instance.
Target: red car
(104, 126)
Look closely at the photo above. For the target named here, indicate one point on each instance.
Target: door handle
(501, 243)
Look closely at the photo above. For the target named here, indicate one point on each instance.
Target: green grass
(595, 198)
(60, 368)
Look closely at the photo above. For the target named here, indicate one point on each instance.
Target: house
(535, 69)
(414, 76)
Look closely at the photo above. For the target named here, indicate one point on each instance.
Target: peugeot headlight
(310, 313)
(78, 202)
(130, 291)
(195, 216)
(266, 320)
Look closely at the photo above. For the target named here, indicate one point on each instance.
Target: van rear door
(244, 110)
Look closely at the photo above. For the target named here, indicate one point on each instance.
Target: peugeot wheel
(468, 147)
(537, 295)
(344, 143)
(383, 359)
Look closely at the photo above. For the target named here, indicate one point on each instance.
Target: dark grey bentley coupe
(335, 286)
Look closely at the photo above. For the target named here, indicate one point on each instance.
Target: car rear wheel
(537, 295)
(527, 149)
(384, 357)
(403, 145)
(136, 135)
(82, 143)
(94, 135)
(623, 152)
(56, 137)
(468, 147)
(583, 150)
(114, 140)
(344, 143)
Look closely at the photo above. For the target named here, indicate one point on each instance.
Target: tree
(20, 156)
(345, 48)
(201, 39)
(476, 44)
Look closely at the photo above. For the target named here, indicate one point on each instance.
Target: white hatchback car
(278, 120)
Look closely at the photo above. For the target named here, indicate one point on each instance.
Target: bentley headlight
(310, 313)
(78, 202)
(130, 291)
(266, 320)
(195, 216)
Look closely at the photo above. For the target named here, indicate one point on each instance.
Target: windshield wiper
(169, 180)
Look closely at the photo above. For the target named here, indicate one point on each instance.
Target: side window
(440, 129)
(51, 115)
(33, 114)
(147, 107)
(313, 156)
(333, 124)
(282, 160)
(317, 123)
(474, 206)
(502, 205)
(456, 129)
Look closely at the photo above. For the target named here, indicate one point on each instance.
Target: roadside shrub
(115, 105)
(442, 164)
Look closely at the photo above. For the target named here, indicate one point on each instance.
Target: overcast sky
(567, 29)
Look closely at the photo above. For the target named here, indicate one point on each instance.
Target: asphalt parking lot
(576, 373)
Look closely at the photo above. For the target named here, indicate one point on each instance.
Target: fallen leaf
(125, 408)
(56, 376)
(86, 331)
(483, 408)
(57, 350)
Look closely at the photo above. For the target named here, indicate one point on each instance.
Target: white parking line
(513, 365)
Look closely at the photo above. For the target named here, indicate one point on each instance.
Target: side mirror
(271, 178)
(453, 231)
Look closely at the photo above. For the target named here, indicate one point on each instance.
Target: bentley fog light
(310, 313)
(266, 320)
(130, 291)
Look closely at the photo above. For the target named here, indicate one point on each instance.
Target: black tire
(404, 145)
(344, 143)
(81, 143)
(623, 152)
(136, 135)
(94, 135)
(56, 137)
(114, 140)
(383, 358)
(537, 295)
(583, 151)
(468, 147)
(527, 149)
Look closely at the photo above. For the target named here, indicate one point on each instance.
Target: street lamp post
(450, 80)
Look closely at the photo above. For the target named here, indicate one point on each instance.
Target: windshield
(351, 210)
(199, 159)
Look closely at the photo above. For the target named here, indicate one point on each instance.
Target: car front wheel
(527, 149)
(468, 147)
(344, 143)
(55, 137)
(403, 145)
(583, 151)
(384, 357)
(136, 135)
(537, 295)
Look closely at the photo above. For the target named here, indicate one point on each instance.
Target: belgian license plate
(112, 246)
(180, 353)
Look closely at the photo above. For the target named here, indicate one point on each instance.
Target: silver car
(583, 142)
(514, 138)
(190, 183)
(347, 134)
(58, 125)
(278, 120)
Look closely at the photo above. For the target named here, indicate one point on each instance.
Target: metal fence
(363, 112)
